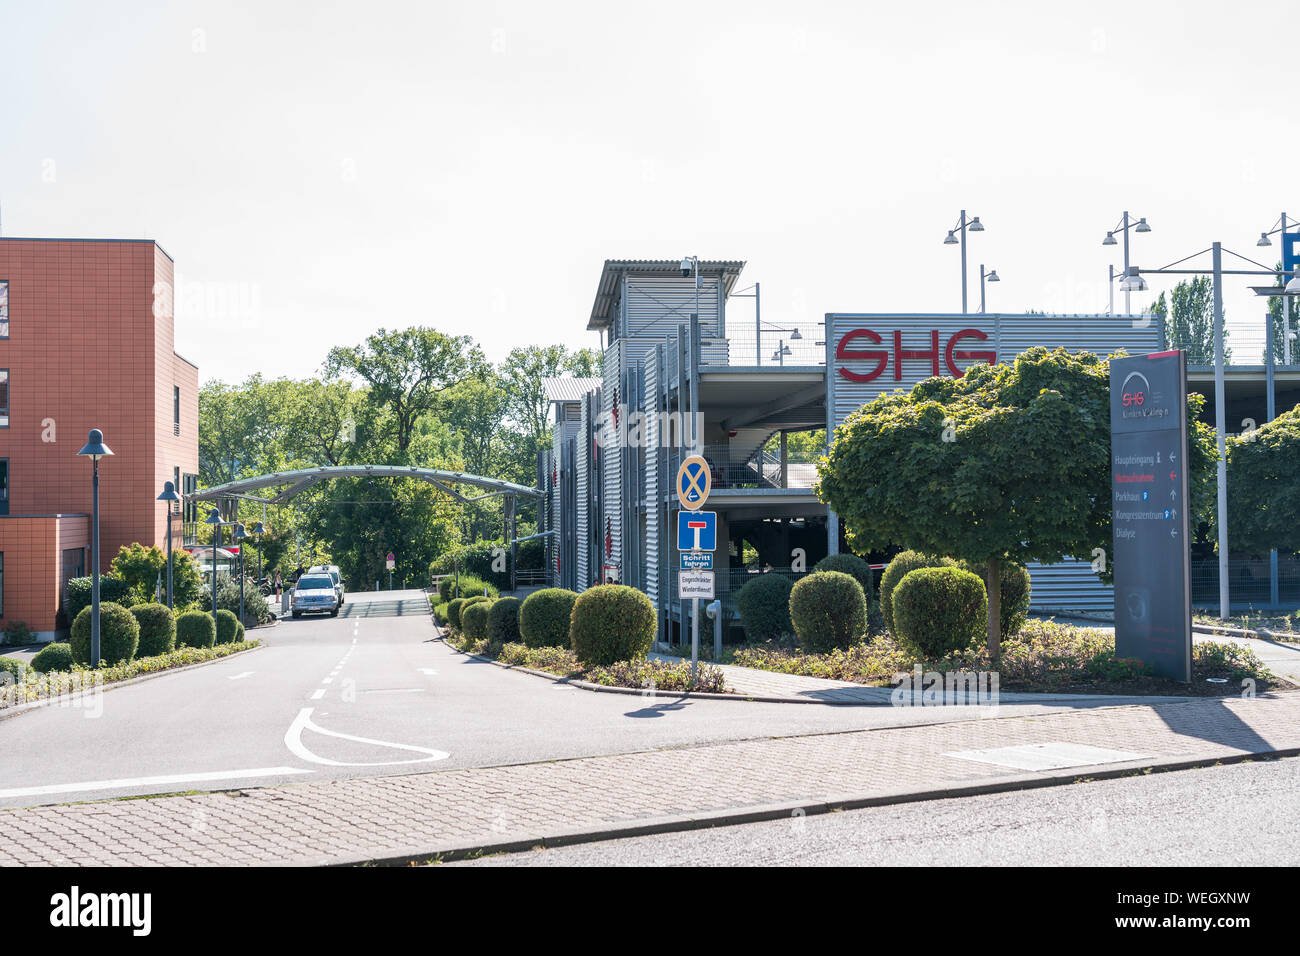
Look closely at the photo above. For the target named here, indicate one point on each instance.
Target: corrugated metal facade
(612, 498)
(653, 488)
(582, 519)
(905, 349)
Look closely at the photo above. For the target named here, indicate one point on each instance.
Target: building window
(176, 409)
(4, 310)
(4, 398)
(4, 486)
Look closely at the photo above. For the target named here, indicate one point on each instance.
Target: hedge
(157, 629)
(902, 563)
(610, 623)
(853, 565)
(195, 629)
(453, 612)
(544, 617)
(940, 611)
(1014, 579)
(828, 610)
(227, 626)
(12, 665)
(53, 657)
(119, 635)
(764, 606)
(474, 619)
(503, 621)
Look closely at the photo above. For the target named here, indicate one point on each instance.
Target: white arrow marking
(293, 740)
(241, 676)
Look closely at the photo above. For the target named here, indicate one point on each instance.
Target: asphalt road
(365, 694)
(1239, 815)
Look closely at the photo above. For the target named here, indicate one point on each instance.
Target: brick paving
(372, 818)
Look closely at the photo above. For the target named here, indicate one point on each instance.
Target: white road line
(166, 779)
(240, 676)
(328, 680)
(318, 694)
(428, 670)
(293, 740)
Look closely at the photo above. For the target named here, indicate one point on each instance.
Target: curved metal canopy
(303, 478)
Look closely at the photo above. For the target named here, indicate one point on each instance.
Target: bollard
(714, 611)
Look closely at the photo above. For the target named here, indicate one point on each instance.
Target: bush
(227, 626)
(11, 665)
(474, 619)
(902, 563)
(1015, 583)
(440, 614)
(239, 631)
(157, 629)
(444, 589)
(544, 617)
(611, 622)
(828, 610)
(851, 564)
(940, 611)
(195, 629)
(764, 606)
(111, 589)
(119, 635)
(503, 621)
(53, 657)
(256, 610)
(453, 612)
(17, 633)
(474, 560)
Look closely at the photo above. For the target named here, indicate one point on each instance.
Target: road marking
(165, 779)
(328, 680)
(318, 694)
(240, 676)
(293, 740)
(428, 670)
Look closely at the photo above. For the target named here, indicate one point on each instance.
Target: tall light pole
(1286, 300)
(214, 519)
(239, 537)
(963, 226)
(94, 449)
(259, 529)
(168, 497)
(991, 276)
(1124, 225)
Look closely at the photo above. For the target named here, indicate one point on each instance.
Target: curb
(17, 709)
(452, 852)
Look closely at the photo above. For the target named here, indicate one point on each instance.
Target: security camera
(686, 268)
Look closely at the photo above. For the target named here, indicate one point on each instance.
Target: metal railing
(754, 469)
(778, 344)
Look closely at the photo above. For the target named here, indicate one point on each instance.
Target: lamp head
(1264, 240)
(1132, 281)
(975, 224)
(1142, 226)
(259, 528)
(1109, 240)
(1293, 287)
(796, 334)
(240, 533)
(993, 276)
(214, 517)
(952, 238)
(169, 492)
(95, 448)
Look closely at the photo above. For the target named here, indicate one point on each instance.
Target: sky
(321, 170)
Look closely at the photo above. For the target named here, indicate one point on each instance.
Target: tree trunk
(993, 584)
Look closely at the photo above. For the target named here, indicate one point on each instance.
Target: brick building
(86, 341)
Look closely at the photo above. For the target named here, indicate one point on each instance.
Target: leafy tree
(1010, 462)
(1188, 320)
(406, 372)
(1264, 486)
(522, 373)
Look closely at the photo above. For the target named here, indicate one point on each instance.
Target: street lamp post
(94, 449)
(214, 519)
(1133, 282)
(991, 276)
(259, 529)
(1124, 225)
(239, 537)
(169, 496)
(963, 225)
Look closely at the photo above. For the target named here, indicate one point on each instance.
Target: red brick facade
(87, 348)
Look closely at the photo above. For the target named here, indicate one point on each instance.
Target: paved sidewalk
(524, 805)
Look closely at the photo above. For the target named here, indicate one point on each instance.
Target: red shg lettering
(901, 353)
(842, 351)
(951, 352)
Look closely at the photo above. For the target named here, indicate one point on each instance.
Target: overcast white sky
(319, 170)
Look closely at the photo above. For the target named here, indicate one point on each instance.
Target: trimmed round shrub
(1014, 579)
(611, 623)
(195, 629)
(53, 657)
(453, 612)
(227, 626)
(474, 619)
(239, 632)
(853, 565)
(503, 620)
(764, 606)
(440, 613)
(157, 629)
(940, 611)
(828, 610)
(119, 635)
(902, 563)
(544, 617)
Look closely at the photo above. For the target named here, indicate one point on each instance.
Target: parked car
(313, 594)
(336, 575)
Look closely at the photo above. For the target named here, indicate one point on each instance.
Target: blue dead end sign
(693, 483)
(697, 530)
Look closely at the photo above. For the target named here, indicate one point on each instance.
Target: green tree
(522, 373)
(1264, 486)
(1010, 462)
(1188, 320)
(407, 372)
